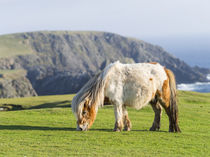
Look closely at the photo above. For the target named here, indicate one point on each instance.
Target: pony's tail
(173, 103)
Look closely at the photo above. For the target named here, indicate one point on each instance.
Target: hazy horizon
(193, 49)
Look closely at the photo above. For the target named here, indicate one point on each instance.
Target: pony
(128, 85)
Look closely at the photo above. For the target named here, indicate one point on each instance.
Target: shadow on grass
(58, 104)
(149, 131)
(25, 127)
(111, 130)
(14, 107)
(103, 130)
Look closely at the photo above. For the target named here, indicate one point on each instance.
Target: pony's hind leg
(126, 120)
(173, 122)
(166, 105)
(158, 112)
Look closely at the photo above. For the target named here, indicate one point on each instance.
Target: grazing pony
(133, 85)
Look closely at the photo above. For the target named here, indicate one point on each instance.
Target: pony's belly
(137, 94)
(138, 102)
(132, 94)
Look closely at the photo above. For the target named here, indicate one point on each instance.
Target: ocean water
(203, 87)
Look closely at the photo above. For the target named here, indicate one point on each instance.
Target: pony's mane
(92, 91)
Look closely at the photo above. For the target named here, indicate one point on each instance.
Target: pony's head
(86, 102)
(85, 114)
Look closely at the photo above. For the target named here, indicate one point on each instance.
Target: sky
(155, 21)
(126, 17)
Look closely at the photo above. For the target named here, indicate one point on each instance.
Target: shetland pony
(133, 85)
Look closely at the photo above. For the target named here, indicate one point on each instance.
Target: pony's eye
(84, 112)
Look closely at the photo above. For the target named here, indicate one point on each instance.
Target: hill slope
(61, 62)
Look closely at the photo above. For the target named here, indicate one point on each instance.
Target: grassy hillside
(12, 74)
(12, 45)
(47, 128)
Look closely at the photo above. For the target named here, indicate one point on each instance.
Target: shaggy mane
(92, 91)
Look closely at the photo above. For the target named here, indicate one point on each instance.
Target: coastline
(203, 87)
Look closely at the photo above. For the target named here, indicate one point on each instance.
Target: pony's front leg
(118, 118)
(126, 120)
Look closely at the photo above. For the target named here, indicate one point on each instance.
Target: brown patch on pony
(166, 93)
(88, 114)
(158, 93)
(92, 115)
(153, 63)
(150, 79)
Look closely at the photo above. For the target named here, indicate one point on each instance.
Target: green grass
(47, 128)
(11, 45)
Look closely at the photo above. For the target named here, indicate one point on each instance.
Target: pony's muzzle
(82, 128)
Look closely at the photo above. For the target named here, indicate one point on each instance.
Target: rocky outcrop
(18, 86)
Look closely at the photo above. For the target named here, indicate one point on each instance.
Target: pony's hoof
(117, 129)
(152, 129)
(127, 129)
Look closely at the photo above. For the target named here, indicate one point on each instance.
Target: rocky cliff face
(61, 62)
(15, 85)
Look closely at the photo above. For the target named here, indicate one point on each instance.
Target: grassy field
(47, 128)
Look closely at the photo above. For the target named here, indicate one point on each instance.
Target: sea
(203, 87)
